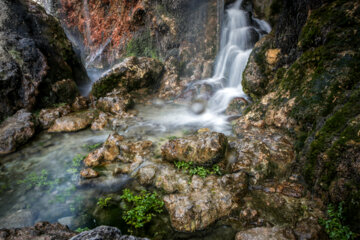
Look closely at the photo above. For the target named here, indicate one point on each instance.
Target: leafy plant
(80, 230)
(38, 180)
(172, 137)
(92, 147)
(141, 208)
(192, 169)
(334, 224)
(76, 163)
(103, 202)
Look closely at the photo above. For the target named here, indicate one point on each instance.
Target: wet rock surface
(16, 131)
(56, 231)
(73, 122)
(104, 233)
(131, 74)
(205, 148)
(35, 58)
(48, 116)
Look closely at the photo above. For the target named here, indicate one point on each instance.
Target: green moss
(141, 46)
(101, 88)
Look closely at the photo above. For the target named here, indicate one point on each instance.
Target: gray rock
(104, 233)
(15, 131)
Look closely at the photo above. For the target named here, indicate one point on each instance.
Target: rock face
(104, 233)
(204, 148)
(41, 230)
(131, 74)
(56, 231)
(36, 59)
(307, 84)
(16, 130)
(73, 122)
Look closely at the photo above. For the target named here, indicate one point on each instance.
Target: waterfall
(240, 31)
(239, 34)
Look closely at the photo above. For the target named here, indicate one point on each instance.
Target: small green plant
(334, 224)
(172, 137)
(38, 180)
(80, 230)
(90, 147)
(141, 208)
(192, 169)
(103, 202)
(76, 163)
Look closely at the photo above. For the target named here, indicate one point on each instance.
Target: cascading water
(239, 34)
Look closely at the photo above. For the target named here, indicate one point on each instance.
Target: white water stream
(239, 34)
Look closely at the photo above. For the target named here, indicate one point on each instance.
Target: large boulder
(16, 130)
(114, 102)
(133, 73)
(205, 148)
(37, 64)
(73, 122)
(207, 200)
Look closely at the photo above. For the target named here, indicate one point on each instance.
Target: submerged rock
(48, 116)
(205, 148)
(131, 74)
(16, 130)
(21, 218)
(73, 122)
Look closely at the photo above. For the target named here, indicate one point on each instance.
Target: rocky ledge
(56, 231)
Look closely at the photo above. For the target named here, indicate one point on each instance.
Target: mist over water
(240, 32)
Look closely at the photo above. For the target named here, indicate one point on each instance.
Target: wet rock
(204, 148)
(35, 58)
(66, 221)
(48, 116)
(104, 233)
(205, 202)
(89, 173)
(73, 122)
(146, 175)
(262, 152)
(100, 123)
(65, 90)
(16, 130)
(309, 229)
(133, 73)
(116, 148)
(270, 233)
(21, 218)
(41, 230)
(114, 102)
(236, 106)
(80, 103)
(94, 158)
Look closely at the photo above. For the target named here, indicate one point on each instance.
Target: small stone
(89, 173)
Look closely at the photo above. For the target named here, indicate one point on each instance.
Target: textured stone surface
(131, 74)
(48, 116)
(204, 148)
(16, 130)
(35, 58)
(73, 122)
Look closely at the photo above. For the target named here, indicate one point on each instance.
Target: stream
(40, 182)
